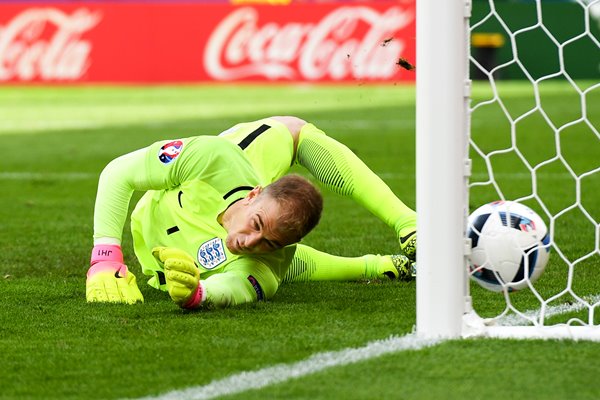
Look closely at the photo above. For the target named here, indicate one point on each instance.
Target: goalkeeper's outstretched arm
(108, 278)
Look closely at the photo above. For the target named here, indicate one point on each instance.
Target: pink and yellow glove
(182, 276)
(108, 279)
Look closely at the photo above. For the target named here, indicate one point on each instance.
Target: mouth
(239, 247)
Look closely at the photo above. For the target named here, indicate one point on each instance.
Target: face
(252, 225)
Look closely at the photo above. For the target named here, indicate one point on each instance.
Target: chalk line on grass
(551, 311)
(248, 380)
(261, 378)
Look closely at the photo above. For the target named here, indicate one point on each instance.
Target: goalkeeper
(220, 221)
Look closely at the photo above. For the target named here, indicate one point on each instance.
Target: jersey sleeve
(248, 279)
(162, 165)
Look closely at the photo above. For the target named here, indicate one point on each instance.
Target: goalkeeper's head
(273, 217)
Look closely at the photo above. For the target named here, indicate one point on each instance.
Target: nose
(252, 240)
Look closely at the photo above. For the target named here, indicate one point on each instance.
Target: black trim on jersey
(161, 277)
(172, 230)
(237, 189)
(253, 135)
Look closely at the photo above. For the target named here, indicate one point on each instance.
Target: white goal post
(441, 141)
(443, 121)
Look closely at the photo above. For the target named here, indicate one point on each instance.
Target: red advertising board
(194, 42)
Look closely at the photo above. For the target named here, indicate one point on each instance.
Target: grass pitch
(56, 346)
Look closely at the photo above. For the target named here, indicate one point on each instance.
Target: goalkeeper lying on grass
(219, 222)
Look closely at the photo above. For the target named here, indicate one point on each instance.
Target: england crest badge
(212, 253)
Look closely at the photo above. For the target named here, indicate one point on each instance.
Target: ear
(253, 194)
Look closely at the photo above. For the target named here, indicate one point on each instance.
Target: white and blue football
(510, 246)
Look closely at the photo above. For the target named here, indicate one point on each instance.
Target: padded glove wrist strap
(106, 252)
(197, 298)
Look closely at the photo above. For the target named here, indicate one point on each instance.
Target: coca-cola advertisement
(194, 42)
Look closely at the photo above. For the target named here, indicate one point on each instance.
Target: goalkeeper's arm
(141, 170)
(108, 278)
(242, 281)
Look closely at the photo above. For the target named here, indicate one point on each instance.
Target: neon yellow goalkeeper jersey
(189, 183)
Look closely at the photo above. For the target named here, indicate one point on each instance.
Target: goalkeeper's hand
(182, 276)
(109, 280)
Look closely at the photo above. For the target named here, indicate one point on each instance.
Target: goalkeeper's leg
(309, 264)
(341, 171)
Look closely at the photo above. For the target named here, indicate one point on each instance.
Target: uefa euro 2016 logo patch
(211, 253)
(170, 151)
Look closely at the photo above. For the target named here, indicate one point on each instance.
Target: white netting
(535, 139)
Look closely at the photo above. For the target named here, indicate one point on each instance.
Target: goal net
(508, 108)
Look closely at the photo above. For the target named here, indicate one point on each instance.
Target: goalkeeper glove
(108, 279)
(182, 276)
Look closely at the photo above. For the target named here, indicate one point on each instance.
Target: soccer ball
(510, 246)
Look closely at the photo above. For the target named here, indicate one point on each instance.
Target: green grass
(55, 345)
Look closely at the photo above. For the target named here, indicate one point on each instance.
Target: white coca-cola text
(346, 43)
(46, 44)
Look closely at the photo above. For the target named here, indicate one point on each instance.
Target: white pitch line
(261, 378)
(40, 176)
(484, 177)
(85, 175)
(516, 320)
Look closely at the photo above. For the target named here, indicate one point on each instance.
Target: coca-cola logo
(46, 44)
(349, 42)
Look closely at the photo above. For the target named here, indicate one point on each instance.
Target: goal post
(444, 143)
(441, 142)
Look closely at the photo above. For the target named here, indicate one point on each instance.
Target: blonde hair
(301, 204)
